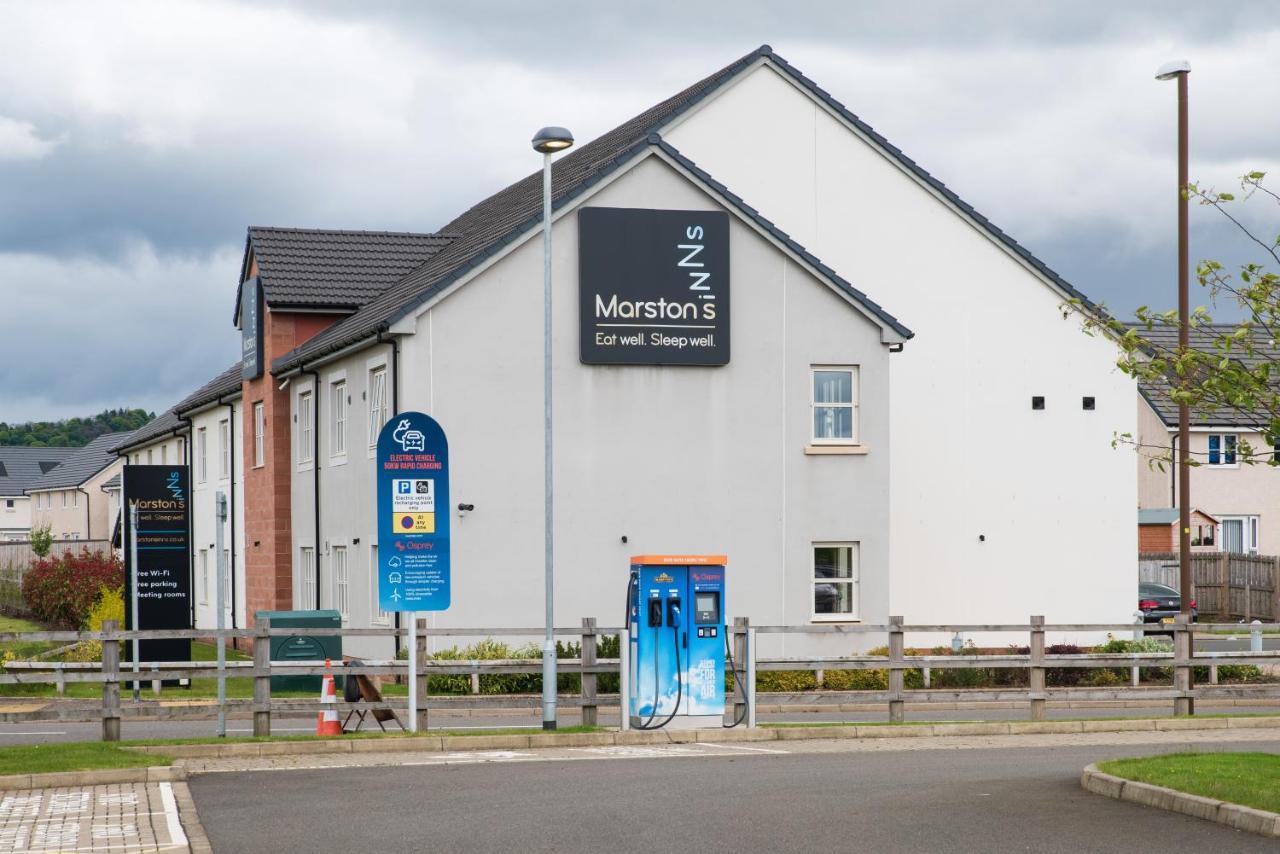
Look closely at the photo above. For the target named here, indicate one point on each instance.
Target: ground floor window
(376, 614)
(835, 581)
(341, 589)
(204, 576)
(1239, 534)
(306, 579)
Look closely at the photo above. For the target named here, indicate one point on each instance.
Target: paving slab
(123, 817)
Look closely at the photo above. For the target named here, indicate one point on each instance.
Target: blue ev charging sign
(413, 514)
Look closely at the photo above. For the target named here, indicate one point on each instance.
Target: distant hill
(72, 432)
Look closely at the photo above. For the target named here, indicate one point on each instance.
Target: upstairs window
(304, 427)
(1222, 449)
(377, 403)
(202, 455)
(259, 426)
(338, 411)
(834, 404)
(224, 449)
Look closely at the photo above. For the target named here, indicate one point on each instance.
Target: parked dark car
(1160, 604)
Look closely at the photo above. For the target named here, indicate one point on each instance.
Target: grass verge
(1249, 779)
(76, 756)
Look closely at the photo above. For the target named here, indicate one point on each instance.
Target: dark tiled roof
(1203, 337)
(225, 383)
(22, 467)
(83, 464)
(112, 482)
(342, 270)
(499, 219)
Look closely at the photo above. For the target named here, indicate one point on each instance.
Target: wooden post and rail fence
(746, 663)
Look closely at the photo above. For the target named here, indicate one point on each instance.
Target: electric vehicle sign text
(413, 539)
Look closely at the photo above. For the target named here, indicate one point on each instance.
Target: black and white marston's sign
(163, 573)
(653, 287)
(251, 329)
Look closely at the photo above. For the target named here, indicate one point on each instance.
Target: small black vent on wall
(1037, 402)
(1089, 404)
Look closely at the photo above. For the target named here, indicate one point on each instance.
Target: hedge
(62, 590)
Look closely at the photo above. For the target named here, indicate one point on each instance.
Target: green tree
(73, 432)
(1231, 368)
(42, 539)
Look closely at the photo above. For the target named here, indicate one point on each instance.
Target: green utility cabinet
(286, 649)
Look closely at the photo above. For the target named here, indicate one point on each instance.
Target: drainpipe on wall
(191, 546)
(395, 410)
(315, 469)
(88, 518)
(231, 510)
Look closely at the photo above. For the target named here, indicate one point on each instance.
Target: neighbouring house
(1242, 495)
(20, 469)
(1158, 531)
(70, 499)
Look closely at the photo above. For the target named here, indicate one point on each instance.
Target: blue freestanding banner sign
(413, 514)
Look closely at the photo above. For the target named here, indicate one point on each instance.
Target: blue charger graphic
(675, 613)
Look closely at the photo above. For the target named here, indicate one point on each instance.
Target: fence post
(262, 678)
(419, 686)
(1248, 591)
(1182, 703)
(1224, 588)
(751, 673)
(740, 664)
(589, 710)
(896, 706)
(1035, 673)
(110, 683)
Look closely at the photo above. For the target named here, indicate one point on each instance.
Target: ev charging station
(675, 619)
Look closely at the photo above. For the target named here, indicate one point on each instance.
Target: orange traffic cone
(327, 720)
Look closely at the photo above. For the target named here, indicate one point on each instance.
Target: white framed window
(304, 426)
(1238, 534)
(75, 498)
(150, 458)
(376, 614)
(226, 580)
(64, 499)
(377, 403)
(164, 454)
(202, 455)
(1222, 449)
(338, 418)
(306, 578)
(835, 581)
(204, 576)
(834, 404)
(259, 427)
(224, 449)
(341, 581)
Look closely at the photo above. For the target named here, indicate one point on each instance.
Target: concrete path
(960, 794)
(141, 817)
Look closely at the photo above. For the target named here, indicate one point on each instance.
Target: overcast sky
(138, 140)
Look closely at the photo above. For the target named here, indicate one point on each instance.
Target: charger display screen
(706, 607)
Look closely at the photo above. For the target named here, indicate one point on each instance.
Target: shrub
(1063, 676)
(568, 681)
(855, 680)
(786, 680)
(62, 590)
(109, 606)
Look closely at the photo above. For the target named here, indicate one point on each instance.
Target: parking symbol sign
(403, 486)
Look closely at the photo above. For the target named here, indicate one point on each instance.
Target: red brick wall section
(267, 513)
(1156, 539)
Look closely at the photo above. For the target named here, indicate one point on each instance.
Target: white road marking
(176, 834)
(740, 747)
(35, 732)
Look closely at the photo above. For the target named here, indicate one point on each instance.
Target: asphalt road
(810, 798)
(50, 732)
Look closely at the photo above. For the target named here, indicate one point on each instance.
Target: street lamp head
(549, 140)
(1170, 70)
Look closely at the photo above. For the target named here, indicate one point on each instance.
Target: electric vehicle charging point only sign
(413, 515)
